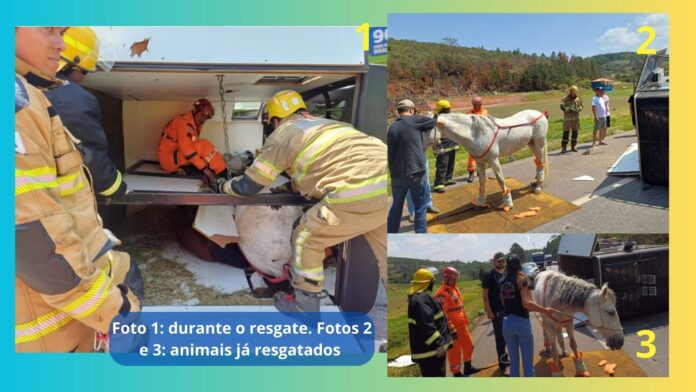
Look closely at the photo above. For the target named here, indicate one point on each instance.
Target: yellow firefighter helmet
(284, 103)
(81, 49)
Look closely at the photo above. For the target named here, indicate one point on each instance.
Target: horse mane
(568, 291)
(477, 122)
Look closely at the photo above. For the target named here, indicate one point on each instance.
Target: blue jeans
(426, 184)
(400, 187)
(518, 337)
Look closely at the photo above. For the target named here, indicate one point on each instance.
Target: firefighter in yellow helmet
(445, 152)
(428, 332)
(80, 113)
(571, 105)
(69, 284)
(328, 160)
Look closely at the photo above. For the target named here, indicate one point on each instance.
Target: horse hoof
(537, 190)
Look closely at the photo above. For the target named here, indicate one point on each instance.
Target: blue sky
(463, 247)
(580, 34)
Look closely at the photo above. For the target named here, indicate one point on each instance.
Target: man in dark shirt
(407, 164)
(494, 306)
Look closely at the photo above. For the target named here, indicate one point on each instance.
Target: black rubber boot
(469, 369)
(301, 301)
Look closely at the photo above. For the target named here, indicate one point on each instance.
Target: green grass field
(397, 320)
(550, 101)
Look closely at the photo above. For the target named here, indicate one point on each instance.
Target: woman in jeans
(517, 328)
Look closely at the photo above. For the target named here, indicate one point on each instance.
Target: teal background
(58, 372)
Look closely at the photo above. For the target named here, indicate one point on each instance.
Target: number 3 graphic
(647, 343)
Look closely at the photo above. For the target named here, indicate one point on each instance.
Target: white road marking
(603, 191)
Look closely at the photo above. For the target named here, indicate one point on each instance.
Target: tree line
(446, 69)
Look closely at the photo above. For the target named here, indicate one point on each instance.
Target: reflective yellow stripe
(70, 184)
(412, 321)
(114, 187)
(45, 178)
(39, 171)
(432, 338)
(424, 355)
(438, 316)
(361, 191)
(308, 155)
(266, 169)
(316, 273)
(91, 300)
(42, 326)
(34, 179)
(77, 44)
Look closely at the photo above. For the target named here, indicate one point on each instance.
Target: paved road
(609, 204)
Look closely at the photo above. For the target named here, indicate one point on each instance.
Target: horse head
(464, 129)
(600, 309)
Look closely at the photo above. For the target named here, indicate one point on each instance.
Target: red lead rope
(498, 128)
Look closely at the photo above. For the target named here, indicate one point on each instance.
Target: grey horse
(569, 295)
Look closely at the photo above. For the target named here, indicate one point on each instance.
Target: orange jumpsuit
(451, 300)
(471, 163)
(181, 145)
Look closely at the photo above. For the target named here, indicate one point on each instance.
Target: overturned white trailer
(238, 69)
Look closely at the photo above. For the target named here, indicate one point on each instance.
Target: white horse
(569, 295)
(264, 236)
(487, 138)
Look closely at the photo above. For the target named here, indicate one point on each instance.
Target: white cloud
(619, 39)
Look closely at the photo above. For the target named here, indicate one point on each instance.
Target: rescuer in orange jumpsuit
(450, 298)
(180, 145)
(478, 110)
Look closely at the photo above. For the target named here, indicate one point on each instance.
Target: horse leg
(561, 342)
(538, 147)
(507, 194)
(580, 368)
(481, 171)
(555, 366)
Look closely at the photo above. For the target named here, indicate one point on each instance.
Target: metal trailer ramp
(459, 215)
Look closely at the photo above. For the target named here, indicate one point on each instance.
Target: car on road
(539, 259)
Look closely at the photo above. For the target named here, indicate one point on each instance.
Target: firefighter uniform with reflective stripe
(445, 155)
(571, 107)
(344, 168)
(427, 330)
(451, 300)
(68, 283)
(79, 111)
(181, 145)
